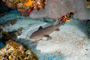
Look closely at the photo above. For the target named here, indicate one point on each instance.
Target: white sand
(71, 41)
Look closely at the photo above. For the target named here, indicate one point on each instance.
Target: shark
(44, 32)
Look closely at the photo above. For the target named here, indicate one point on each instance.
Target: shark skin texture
(44, 32)
(57, 8)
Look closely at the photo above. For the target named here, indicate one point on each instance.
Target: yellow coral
(28, 52)
(88, 5)
(10, 57)
(15, 45)
(5, 33)
(29, 3)
(67, 19)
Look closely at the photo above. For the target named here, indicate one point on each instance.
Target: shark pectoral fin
(48, 37)
(57, 29)
(40, 28)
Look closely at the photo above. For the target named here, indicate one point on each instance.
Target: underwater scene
(44, 29)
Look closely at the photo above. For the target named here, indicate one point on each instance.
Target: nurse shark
(44, 32)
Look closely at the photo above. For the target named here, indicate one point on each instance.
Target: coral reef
(57, 8)
(8, 35)
(53, 9)
(67, 16)
(17, 51)
(25, 7)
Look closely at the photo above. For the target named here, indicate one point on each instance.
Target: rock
(1, 29)
(20, 29)
(3, 9)
(57, 8)
(13, 22)
(8, 36)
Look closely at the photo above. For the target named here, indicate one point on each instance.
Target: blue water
(1, 44)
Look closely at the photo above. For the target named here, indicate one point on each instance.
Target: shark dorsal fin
(40, 28)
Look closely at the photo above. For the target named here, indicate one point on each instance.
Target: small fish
(44, 32)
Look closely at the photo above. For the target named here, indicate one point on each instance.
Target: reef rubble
(15, 51)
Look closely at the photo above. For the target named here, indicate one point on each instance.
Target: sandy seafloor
(70, 43)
